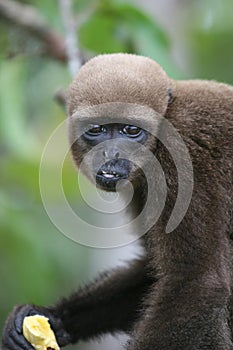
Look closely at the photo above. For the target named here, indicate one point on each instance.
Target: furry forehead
(124, 78)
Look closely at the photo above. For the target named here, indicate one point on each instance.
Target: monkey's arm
(111, 303)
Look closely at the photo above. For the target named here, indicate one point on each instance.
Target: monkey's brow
(100, 121)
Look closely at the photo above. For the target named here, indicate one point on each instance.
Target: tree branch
(30, 19)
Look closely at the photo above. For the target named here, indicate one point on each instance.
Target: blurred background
(190, 39)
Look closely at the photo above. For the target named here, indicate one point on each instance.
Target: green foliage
(116, 26)
(211, 34)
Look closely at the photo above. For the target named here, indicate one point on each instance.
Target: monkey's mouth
(108, 179)
(110, 173)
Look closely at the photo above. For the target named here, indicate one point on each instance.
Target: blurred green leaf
(115, 27)
(210, 39)
(13, 109)
(99, 35)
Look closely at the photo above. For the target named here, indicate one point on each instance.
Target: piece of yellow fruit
(37, 331)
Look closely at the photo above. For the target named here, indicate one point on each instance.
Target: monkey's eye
(131, 130)
(95, 130)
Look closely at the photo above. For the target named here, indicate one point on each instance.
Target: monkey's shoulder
(203, 102)
(203, 111)
(207, 94)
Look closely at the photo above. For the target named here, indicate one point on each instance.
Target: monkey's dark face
(109, 143)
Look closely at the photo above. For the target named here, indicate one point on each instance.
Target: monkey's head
(115, 105)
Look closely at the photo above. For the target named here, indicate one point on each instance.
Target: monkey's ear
(61, 98)
(170, 96)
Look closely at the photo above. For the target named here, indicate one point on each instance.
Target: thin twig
(71, 38)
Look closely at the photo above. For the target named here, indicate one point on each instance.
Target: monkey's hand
(13, 337)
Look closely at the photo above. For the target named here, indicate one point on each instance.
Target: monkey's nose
(108, 155)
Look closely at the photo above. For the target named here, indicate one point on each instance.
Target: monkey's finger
(14, 341)
(20, 313)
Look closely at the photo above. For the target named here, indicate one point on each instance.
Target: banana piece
(37, 331)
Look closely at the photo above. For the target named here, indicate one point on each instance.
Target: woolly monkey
(177, 296)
